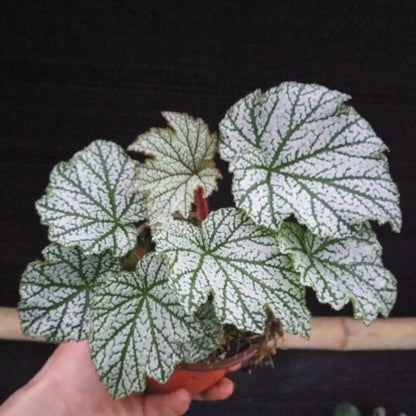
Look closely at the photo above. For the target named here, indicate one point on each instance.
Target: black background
(74, 72)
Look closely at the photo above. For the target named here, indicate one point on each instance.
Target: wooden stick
(10, 326)
(340, 334)
(347, 334)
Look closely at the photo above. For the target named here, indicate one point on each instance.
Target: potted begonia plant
(139, 267)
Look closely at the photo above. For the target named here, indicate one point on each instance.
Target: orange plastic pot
(200, 376)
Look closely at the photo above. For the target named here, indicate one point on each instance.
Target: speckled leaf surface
(240, 264)
(138, 328)
(200, 347)
(298, 149)
(182, 162)
(342, 269)
(55, 293)
(86, 202)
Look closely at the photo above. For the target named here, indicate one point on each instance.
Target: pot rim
(241, 358)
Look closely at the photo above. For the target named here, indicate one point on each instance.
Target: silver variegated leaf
(86, 202)
(298, 149)
(138, 328)
(55, 293)
(182, 162)
(342, 269)
(239, 263)
(200, 347)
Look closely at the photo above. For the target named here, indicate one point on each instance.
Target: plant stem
(201, 203)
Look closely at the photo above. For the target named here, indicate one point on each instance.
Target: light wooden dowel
(347, 334)
(341, 334)
(10, 326)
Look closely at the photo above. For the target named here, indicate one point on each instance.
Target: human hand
(68, 385)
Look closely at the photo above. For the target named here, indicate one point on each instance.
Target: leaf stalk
(201, 203)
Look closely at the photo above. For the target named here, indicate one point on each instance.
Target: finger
(220, 391)
(235, 367)
(172, 404)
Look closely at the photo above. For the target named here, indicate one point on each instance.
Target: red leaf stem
(201, 203)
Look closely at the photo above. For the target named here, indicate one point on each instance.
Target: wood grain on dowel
(342, 334)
